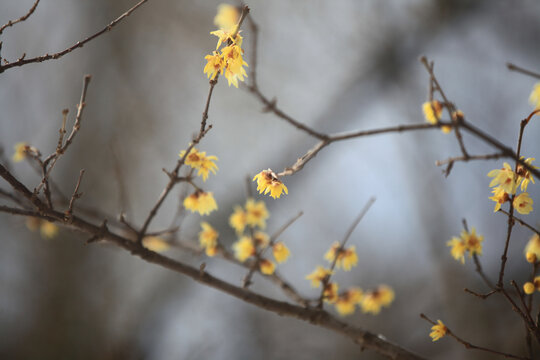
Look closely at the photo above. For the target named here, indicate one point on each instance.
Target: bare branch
(21, 19)
(519, 69)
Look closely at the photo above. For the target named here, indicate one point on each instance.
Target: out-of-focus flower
(267, 267)
(268, 182)
(528, 288)
(532, 249)
(432, 111)
(281, 252)
(438, 331)
(227, 17)
(467, 242)
(201, 201)
(208, 238)
(523, 203)
(346, 258)
(330, 293)
(156, 244)
(256, 213)
(318, 276)
(21, 149)
(374, 300)
(48, 229)
(524, 175)
(238, 219)
(346, 302)
(534, 98)
(244, 248)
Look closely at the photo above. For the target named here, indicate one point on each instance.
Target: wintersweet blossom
(48, 229)
(500, 197)
(524, 175)
(201, 201)
(532, 249)
(208, 238)
(200, 161)
(505, 178)
(347, 301)
(244, 248)
(256, 213)
(267, 267)
(528, 288)
(21, 149)
(215, 65)
(238, 219)
(432, 111)
(318, 276)
(156, 244)
(534, 98)
(227, 17)
(438, 330)
(467, 242)
(374, 300)
(330, 293)
(268, 182)
(523, 203)
(346, 257)
(281, 252)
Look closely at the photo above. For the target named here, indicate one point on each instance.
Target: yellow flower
(33, 223)
(534, 98)
(523, 203)
(227, 17)
(346, 302)
(458, 249)
(438, 331)
(244, 248)
(500, 197)
(346, 258)
(505, 178)
(524, 175)
(432, 111)
(318, 276)
(281, 252)
(532, 249)
(155, 244)
(214, 65)
(21, 149)
(268, 182)
(256, 213)
(198, 160)
(208, 238)
(200, 201)
(234, 64)
(261, 239)
(374, 300)
(48, 229)
(330, 293)
(473, 242)
(267, 267)
(238, 219)
(528, 288)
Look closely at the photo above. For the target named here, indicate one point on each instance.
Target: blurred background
(335, 66)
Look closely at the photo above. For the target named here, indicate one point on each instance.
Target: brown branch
(468, 345)
(76, 195)
(520, 222)
(317, 317)
(22, 61)
(519, 69)
(21, 19)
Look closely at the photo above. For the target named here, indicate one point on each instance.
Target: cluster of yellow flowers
(254, 215)
(229, 60)
(345, 302)
(433, 112)
(438, 330)
(208, 239)
(46, 228)
(467, 242)
(508, 182)
(201, 201)
(268, 182)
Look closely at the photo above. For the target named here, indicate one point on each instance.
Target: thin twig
(22, 61)
(520, 222)
(21, 19)
(468, 345)
(519, 69)
(76, 195)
